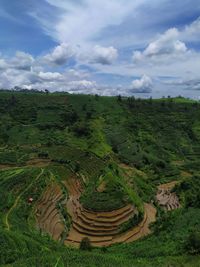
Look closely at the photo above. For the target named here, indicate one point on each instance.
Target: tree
(96, 97)
(119, 98)
(81, 129)
(150, 100)
(85, 244)
(70, 117)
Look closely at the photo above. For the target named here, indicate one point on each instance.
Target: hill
(80, 165)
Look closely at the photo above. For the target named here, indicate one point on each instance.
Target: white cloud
(79, 22)
(3, 64)
(170, 45)
(48, 76)
(59, 55)
(81, 86)
(143, 85)
(189, 84)
(104, 55)
(87, 29)
(192, 31)
(18, 71)
(166, 44)
(22, 61)
(10, 78)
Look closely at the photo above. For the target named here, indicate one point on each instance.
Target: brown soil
(40, 163)
(102, 228)
(7, 166)
(47, 214)
(142, 229)
(168, 186)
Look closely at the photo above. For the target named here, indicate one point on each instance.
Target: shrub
(81, 129)
(85, 244)
(193, 243)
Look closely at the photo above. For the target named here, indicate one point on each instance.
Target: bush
(134, 221)
(81, 129)
(85, 244)
(193, 243)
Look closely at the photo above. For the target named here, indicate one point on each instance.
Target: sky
(142, 48)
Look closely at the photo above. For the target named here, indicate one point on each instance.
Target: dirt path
(8, 226)
(143, 229)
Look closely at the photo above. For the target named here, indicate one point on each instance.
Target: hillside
(122, 171)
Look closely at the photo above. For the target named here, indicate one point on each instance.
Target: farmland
(75, 166)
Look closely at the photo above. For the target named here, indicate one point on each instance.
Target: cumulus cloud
(62, 84)
(21, 61)
(10, 78)
(143, 85)
(48, 76)
(104, 55)
(170, 54)
(21, 71)
(81, 86)
(170, 45)
(166, 44)
(24, 71)
(60, 54)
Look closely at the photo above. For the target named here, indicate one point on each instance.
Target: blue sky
(142, 48)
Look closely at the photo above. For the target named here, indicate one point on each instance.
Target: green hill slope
(120, 149)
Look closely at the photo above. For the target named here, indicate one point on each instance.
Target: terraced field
(74, 166)
(47, 213)
(102, 228)
(166, 198)
(40, 163)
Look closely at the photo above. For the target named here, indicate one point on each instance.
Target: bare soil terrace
(102, 228)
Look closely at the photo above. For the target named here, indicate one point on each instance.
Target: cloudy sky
(141, 47)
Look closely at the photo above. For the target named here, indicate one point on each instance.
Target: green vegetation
(85, 244)
(193, 243)
(134, 221)
(112, 195)
(120, 149)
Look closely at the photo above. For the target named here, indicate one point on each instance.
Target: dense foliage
(121, 148)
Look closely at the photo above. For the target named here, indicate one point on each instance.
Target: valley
(98, 181)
